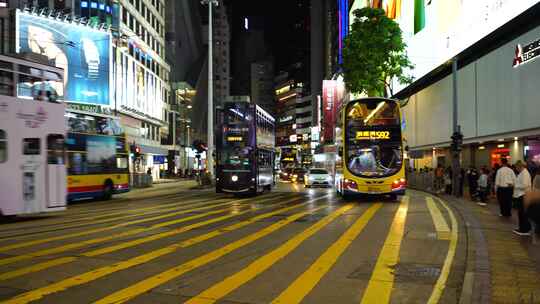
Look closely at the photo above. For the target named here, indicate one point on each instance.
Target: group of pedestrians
(513, 187)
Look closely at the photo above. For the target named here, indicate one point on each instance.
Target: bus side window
(55, 149)
(31, 146)
(3, 146)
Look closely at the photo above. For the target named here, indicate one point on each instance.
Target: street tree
(374, 54)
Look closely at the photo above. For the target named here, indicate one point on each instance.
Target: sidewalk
(505, 267)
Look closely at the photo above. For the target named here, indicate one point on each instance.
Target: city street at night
(287, 246)
(284, 151)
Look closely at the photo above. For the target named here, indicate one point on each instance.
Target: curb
(477, 280)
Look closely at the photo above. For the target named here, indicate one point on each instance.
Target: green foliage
(374, 53)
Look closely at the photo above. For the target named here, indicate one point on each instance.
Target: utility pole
(457, 137)
(210, 126)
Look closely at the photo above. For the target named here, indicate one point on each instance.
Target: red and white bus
(32, 135)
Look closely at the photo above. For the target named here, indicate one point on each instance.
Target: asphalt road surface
(292, 245)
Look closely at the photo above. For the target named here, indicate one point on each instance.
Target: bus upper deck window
(31, 146)
(3, 146)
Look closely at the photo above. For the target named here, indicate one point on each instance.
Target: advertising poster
(329, 100)
(332, 98)
(83, 53)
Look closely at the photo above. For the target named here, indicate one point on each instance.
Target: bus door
(32, 172)
(56, 171)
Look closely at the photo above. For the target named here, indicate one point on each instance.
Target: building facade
(262, 85)
(129, 64)
(497, 107)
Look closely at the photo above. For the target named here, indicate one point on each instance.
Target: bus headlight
(350, 184)
(234, 178)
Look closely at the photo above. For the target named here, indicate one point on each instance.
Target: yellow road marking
(71, 246)
(443, 231)
(104, 271)
(136, 213)
(127, 244)
(381, 282)
(296, 292)
(92, 231)
(75, 216)
(221, 289)
(445, 272)
(36, 268)
(161, 278)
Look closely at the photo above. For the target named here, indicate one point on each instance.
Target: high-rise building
(185, 51)
(262, 85)
(221, 53)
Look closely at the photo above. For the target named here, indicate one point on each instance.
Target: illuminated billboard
(83, 53)
(435, 31)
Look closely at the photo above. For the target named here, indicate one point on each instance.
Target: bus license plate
(375, 189)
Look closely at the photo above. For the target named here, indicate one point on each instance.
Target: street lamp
(210, 134)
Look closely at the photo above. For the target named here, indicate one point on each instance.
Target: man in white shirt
(523, 185)
(504, 185)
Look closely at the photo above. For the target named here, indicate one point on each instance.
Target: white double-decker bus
(32, 134)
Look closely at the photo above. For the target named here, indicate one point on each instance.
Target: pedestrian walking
(492, 178)
(439, 178)
(448, 181)
(505, 180)
(472, 180)
(483, 187)
(522, 186)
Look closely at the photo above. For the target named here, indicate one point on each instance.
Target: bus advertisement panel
(97, 157)
(32, 133)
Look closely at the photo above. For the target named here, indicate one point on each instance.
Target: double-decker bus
(245, 149)
(370, 148)
(32, 132)
(98, 156)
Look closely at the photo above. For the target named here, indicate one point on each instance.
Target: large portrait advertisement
(83, 53)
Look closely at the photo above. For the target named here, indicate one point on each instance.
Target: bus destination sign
(234, 138)
(371, 135)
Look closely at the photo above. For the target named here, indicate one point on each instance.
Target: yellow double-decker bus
(370, 148)
(98, 156)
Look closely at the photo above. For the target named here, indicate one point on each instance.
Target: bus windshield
(236, 158)
(373, 138)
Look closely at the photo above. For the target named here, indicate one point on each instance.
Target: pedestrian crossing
(233, 243)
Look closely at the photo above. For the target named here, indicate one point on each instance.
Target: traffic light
(136, 150)
(457, 141)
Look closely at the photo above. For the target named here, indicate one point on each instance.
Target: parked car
(298, 175)
(317, 177)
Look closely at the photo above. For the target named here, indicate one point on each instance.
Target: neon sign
(371, 135)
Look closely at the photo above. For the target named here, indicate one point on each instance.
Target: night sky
(277, 18)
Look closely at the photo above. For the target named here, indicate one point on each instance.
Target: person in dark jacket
(472, 180)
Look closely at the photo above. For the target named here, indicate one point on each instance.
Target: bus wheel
(108, 190)
(393, 197)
